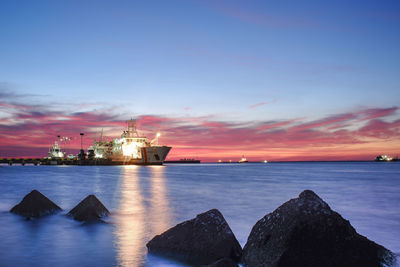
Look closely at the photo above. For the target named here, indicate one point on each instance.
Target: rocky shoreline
(36, 205)
(303, 231)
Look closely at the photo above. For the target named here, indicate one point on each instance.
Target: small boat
(386, 158)
(55, 152)
(243, 160)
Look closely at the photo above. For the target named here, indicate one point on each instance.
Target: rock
(305, 232)
(35, 204)
(89, 209)
(200, 241)
(224, 262)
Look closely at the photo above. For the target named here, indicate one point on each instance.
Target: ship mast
(132, 132)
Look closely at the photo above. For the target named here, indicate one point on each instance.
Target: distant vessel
(55, 152)
(386, 158)
(243, 160)
(131, 148)
(185, 160)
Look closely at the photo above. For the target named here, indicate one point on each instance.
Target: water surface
(145, 201)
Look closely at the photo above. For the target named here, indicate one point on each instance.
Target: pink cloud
(374, 113)
(30, 130)
(258, 105)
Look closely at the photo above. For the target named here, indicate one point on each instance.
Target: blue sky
(214, 57)
(232, 61)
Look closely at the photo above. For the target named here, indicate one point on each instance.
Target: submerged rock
(200, 241)
(305, 232)
(89, 209)
(35, 204)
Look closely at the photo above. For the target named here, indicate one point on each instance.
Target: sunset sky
(274, 80)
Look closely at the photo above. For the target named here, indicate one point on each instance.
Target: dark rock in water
(225, 262)
(89, 209)
(35, 204)
(200, 241)
(305, 232)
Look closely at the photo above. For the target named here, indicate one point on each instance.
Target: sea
(147, 200)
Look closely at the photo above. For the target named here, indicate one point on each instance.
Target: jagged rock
(305, 232)
(225, 262)
(200, 241)
(89, 209)
(35, 204)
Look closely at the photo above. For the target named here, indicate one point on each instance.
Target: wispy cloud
(260, 104)
(354, 135)
(228, 8)
(8, 92)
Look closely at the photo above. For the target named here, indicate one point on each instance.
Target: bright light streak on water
(145, 201)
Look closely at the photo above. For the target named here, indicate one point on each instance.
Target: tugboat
(55, 154)
(243, 160)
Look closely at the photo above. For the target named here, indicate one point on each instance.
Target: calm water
(145, 201)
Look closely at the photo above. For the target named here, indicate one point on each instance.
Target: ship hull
(155, 154)
(152, 155)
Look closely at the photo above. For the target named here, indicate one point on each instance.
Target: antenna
(132, 128)
(81, 134)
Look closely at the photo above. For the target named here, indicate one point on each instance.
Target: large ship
(130, 148)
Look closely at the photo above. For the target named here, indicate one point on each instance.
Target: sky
(270, 80)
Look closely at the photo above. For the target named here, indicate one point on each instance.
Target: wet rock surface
(200, 241)
(225, 262)
(35, 205)
(305, 232)
(88, 210)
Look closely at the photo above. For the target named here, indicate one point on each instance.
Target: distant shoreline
(300, 161)
(22, 161)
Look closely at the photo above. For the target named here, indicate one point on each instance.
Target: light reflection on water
(130, 221)
(145, 201)
(160, 210)
(133, 221)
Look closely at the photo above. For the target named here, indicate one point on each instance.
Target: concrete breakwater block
(199, 241)
(88, 210)
(305, 232)
(35, 205)
(225, 262)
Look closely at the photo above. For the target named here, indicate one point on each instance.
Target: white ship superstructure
(243, 160)
(55, 152)
(131, 148)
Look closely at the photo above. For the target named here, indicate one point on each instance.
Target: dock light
(155, 140)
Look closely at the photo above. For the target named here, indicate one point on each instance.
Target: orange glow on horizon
(361, 135)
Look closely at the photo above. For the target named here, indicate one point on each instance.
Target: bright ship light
(130, 150)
